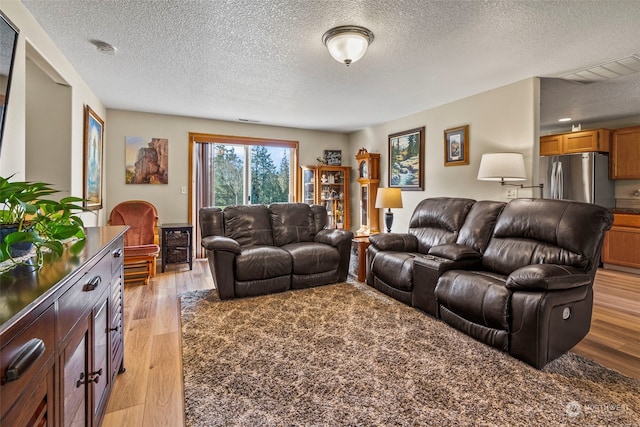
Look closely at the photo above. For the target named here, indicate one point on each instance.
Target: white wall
(503, 119)
(171, 204)
(13, 156)
(48, 147)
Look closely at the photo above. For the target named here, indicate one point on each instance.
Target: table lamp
(388, 198)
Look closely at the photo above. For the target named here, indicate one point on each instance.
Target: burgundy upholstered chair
(141, 239)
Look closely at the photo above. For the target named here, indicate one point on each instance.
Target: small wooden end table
(358, 266)
(177, 244)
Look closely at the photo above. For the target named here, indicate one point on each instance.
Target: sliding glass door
(232, 174)
(240, 171)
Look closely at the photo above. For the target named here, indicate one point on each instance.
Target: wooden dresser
(61, 337)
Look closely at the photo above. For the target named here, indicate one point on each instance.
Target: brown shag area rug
(347, 355)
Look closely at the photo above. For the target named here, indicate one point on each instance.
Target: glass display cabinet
(328, 186)
(368, 180)
(308, 185)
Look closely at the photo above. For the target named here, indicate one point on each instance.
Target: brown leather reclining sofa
(516, 276)
(259, 249)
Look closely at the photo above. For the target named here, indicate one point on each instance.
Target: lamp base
(388, 220)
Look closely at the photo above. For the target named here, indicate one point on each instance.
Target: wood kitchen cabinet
(622, 243)
(61, 340)
(597, 140)
(625, 154)
(551, 145)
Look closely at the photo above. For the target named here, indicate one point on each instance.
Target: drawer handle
(27, 356)
(93, 284)
(117, 253)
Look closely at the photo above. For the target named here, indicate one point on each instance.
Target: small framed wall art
(406, 159)
(146, 160)
(333, 157)
(456, 146)
(93, 144)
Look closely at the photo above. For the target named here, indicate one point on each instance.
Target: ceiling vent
(606, 71)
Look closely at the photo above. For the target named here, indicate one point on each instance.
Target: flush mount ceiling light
(104, 47)
(347, 43)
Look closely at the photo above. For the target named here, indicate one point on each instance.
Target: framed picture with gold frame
(456, 146)
(93, 145)
(406, 159)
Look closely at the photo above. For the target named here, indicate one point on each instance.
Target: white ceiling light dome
(348, 43)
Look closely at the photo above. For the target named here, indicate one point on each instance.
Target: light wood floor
(150, 392)
(614, 338)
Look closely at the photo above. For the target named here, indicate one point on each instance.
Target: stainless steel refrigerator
(582, 177)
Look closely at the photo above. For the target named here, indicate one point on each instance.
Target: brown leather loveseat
(518, 276)
(259, 249)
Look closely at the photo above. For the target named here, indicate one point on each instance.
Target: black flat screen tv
(8, 43)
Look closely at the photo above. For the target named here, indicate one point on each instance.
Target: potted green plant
(29, 218)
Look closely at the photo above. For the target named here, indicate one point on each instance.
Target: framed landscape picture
(456, 146)
(93, 145)
(406, 159)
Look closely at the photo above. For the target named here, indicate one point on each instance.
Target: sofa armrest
(341, 240)
(221, 254)
(333, 237)
(398, 242)
(427, 269)
(547, 277)
(455, 252)
(219, 243)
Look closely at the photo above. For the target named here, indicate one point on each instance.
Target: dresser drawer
(23, 357)
(83, 295)
(117, 256)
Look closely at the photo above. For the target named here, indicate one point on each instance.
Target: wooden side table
(358, 264)
(177, 244)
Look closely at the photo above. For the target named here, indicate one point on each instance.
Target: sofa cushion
(320, 217)
(262, 262)
(249, 225)
(436, 221)
(312, 258)
(292, 223)
(455, 252)
(477, 296)
(479, 224)
(537, 231)
(395, 269)
(211, 221)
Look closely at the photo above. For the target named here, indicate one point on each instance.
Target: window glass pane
(270, 174)
(228, 175)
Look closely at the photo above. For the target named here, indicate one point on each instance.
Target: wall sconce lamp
(504, 167)
(388, 198)
(347, 43)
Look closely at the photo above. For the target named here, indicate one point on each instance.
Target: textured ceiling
(264, 60)
(588, 103)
